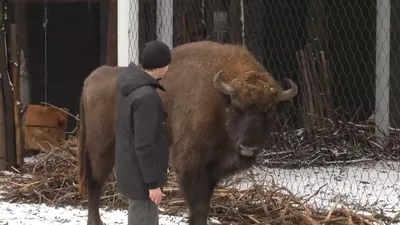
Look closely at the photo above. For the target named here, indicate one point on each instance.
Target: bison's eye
(268, 110)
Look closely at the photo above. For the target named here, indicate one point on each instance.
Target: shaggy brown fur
(207, 129)
(252, 85)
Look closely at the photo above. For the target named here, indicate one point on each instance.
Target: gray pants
(142, 212)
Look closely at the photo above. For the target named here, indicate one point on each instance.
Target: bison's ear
(282, 106)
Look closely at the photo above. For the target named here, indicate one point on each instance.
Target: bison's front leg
(197, 188)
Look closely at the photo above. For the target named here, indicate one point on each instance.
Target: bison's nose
(247, 150)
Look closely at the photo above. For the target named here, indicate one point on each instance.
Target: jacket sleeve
(145, 120)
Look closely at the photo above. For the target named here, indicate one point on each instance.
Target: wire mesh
(338, 53)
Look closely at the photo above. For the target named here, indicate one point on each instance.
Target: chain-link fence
(337, 134)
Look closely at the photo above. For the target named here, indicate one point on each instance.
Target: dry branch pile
(343, 143)
(52, 180)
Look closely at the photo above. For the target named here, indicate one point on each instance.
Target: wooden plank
(45, 127)
(16, 93)
(3, 140)
(44, 116)
(8, 102)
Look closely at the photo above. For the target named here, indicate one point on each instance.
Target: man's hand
(155, 195)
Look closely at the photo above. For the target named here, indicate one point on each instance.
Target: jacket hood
(134, 77)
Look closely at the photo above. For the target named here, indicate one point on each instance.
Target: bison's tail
(83, 158)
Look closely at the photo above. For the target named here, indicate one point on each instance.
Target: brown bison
(221, 105)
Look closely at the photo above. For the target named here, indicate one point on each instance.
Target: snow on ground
(35, 214)
(32, 214)
(374, 185)
(24, 214)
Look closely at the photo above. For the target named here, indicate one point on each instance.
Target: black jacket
(141, 148)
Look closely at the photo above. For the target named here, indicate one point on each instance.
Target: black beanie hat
(155, 55)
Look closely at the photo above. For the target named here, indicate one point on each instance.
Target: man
(141, 149)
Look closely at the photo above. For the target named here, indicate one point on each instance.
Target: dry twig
(54, 181)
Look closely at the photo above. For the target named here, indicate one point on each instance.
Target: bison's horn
(221, 86)
(288, 94)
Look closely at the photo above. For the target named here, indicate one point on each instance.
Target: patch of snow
(363, 187)
(24, 214)
(32, 214)
(7, 173)
(370, 185)
(33, 159)
(4, 174)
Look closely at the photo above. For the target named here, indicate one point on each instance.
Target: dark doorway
(73, 51)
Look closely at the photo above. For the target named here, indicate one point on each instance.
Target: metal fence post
(382, 70)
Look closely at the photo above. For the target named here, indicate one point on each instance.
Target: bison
(221, 105)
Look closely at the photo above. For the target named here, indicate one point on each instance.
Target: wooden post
(8, 100)
(112, 54)
(165, 21)
(24, 95)
(3, 140)
(22, 33)
(20, 10)
(16, 92)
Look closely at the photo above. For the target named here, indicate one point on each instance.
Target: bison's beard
(236, 162)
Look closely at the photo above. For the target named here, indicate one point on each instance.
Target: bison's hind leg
(197, 188)
(102, 162)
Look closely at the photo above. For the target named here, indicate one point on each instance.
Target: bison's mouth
(247, 151)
